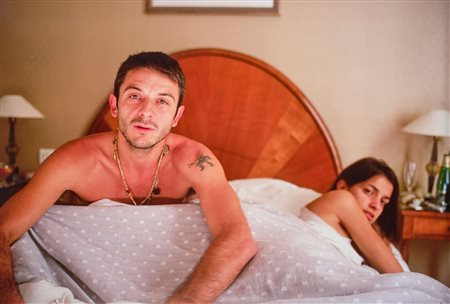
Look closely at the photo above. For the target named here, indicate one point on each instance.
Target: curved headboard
(253, 118)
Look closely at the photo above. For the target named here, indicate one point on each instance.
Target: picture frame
(258, 7)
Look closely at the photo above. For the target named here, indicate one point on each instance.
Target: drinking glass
(409, 175)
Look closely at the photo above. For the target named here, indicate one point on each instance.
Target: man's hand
(8, 290)
(216, 270)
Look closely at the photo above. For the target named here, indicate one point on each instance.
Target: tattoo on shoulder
(202, 161)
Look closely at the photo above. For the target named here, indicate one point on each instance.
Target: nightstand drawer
(424, 226)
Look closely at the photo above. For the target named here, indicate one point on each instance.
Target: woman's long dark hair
(361, 171)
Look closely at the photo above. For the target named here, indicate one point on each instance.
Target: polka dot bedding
(108, 254)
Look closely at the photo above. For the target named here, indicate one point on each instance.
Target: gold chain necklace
(154, 187)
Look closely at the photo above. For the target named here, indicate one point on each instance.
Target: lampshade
(18, 107)
(433, 123)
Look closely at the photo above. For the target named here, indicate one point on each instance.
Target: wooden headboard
(254, 119)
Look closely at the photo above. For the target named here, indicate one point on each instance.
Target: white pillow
(278, 193)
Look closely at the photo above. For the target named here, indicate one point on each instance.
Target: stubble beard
(148, 144)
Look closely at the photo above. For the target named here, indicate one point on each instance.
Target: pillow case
(278, 193)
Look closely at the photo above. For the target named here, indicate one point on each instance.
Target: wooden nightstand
(425, 225)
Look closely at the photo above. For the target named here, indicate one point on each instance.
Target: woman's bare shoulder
(334, 206)
(334, 199)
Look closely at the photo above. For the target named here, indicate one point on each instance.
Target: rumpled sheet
(110, 254)
(329, 234)
(342, 244)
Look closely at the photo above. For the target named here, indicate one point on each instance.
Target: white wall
(369, 67)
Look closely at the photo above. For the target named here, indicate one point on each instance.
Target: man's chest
(120, 187)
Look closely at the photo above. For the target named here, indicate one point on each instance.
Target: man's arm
(17, 215)
(22, 210)
(8, 290)
(232, 246)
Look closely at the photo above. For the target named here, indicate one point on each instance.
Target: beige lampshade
(433, 123)
(18, 107)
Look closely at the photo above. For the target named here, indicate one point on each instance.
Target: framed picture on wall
(269, 7)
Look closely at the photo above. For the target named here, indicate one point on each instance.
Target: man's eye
(385, 202)
(134, 97)
(163, 101)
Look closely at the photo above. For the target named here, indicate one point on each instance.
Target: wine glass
(409, 175)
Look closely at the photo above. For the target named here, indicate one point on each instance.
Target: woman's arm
(340, 210)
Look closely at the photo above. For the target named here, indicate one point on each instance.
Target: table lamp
(435, 123)
(13, 107)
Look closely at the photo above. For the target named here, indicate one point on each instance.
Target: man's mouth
(144, 126)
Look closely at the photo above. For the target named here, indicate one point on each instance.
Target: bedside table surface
(433, 214)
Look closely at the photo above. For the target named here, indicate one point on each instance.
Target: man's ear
(113, 105)
(178, 115)
(341, 185)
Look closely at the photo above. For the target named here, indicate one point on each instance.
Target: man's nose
(147, 108)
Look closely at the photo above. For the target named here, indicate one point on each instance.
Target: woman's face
(372, 195)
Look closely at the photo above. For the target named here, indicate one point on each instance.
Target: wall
(369, 67)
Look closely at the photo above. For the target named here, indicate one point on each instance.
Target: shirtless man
(142, 162)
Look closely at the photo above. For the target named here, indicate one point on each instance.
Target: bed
(278, 155)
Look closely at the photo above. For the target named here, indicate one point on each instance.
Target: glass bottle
(443, 182)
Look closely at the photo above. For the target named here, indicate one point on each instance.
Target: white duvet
(111, 254)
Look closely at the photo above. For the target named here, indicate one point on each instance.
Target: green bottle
(443, 182)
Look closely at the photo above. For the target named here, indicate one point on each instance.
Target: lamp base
(433, 166)
(432, 170)
(12, 149)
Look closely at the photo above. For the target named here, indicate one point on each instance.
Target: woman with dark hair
(363, 170)
(363, 195)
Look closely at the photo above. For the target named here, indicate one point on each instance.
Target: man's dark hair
(156, 61)
(364, 169)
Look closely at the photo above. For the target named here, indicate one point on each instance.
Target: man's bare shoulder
(82, 151)
(182, 147)
(188, 153)
(96, 143)
(83, 159)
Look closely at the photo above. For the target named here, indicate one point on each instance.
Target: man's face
(147, 107)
